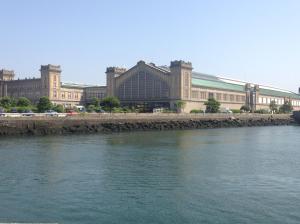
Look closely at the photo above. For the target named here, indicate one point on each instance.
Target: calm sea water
(243, 175)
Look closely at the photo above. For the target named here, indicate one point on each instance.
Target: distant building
(50, 85)
(148, 85)
(161, 86)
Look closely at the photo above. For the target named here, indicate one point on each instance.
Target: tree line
(213, 106)
(23, 104)
(112, 104)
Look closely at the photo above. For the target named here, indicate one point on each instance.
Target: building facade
(50, 85)
(149, 85)
(162, 86)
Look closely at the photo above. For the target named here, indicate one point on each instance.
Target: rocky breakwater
(106, 123)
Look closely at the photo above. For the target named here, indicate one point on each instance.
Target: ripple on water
(244, 175)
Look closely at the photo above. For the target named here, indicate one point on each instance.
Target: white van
(225, 110)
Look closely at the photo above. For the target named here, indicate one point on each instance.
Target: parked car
(14, 110)
(51, 113)
(225, 111)
(101, 111)
(28, 113)
(71, 112)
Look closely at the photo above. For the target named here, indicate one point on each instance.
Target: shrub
(59, 108)
(236, 111)
(261, 111)
(91, 108)
(195, 111)
(44, 104)
(245, 108)
(212, 105)
(127, 110)
(286, 107)
(23, 102)
(23, 109)
(110, 103)
(180, 105)
(95, 101)
(117, 110)
(6, 102)
(273, 106)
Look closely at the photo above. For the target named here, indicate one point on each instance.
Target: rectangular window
(225, 97)
(219, 96)
(231, 98)
(186, 93)
(210, 95)
(194, 94)
(186, 79)
(203, 95)
(238, 98)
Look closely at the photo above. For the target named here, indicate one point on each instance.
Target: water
(244, 175)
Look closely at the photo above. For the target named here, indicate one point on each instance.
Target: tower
(50, 78)
(111, 74)
(6, 75)
(252, 93)
(181, 80)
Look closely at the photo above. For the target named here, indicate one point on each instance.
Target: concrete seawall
(105, 123)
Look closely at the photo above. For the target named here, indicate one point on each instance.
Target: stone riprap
(106, 123)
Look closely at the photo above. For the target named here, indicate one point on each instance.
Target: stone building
(50, 85)
(162, 86)
(149, 85)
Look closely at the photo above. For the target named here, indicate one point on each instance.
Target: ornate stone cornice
(116, 70)
(52, 68)
(182, 64)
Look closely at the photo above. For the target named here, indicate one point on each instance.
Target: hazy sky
(255, 40)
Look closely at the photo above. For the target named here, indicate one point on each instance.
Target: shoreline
(109, 123)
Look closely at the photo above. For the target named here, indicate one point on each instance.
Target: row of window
(67, 95)
(218, 96)
(25, 94)
(95, 94)
(24, 88)
(143, 86)
(295, 103)
(278, 101)
(76, 95)
(266, 100)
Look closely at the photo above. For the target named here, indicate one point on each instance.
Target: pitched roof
(277, 93)
(210, 81)
(76, 85)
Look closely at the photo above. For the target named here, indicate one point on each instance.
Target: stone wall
(119, 123)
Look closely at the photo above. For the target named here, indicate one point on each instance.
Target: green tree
(273, 106)
(212, 105)
(180, 105)
(245, 108)
(110, 102)
(23, 102)
(286, 107)
(13, 102)
(95, 101)
(5, 102)
(44, 104)
(58, 108)
(91, 108)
